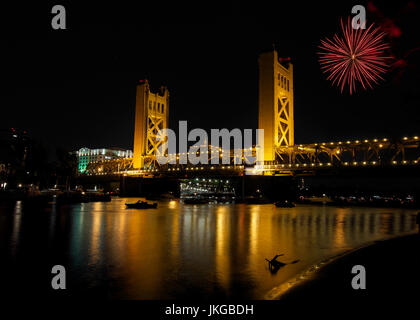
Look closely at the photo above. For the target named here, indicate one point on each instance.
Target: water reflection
(195, 251)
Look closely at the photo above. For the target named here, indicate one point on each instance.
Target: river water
(178, 251)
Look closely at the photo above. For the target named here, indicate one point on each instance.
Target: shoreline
(331, 277)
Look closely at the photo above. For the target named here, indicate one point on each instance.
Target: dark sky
(76, 87)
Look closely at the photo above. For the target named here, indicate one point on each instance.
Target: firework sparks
(356, 56)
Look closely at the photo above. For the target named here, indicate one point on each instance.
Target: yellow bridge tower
(152, 111)
(275, 103)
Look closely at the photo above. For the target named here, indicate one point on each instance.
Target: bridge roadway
(297, 160)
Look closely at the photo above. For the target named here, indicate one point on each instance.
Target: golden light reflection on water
(339, 235)
(204, 251)
(253, 234)
(222, 246)
(96, 238)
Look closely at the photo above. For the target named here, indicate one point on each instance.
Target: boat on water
(141, 205)
(284, 204)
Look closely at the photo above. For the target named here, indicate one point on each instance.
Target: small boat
(141, 205)
(284, 204)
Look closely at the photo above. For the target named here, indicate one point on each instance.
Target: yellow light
(381, 145)
(405, 138)
(366, 140)
(338, 152)
(415, 137)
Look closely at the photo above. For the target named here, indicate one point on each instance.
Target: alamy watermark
(201, 151)
(359, 20)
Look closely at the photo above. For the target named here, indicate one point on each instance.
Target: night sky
(76, 87)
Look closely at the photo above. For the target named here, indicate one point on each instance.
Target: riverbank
(392, 276)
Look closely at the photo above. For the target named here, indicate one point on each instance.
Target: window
(287, 85)
(158, 107)
(281, 82)
(163, 108)
(154, 106)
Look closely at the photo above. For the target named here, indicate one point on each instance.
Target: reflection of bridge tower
(152, 110)
(275, 103)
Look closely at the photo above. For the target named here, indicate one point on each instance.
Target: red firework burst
(358, 55)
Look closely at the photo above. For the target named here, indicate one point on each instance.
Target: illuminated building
(152, 110)
(275, 103)
(86, 156)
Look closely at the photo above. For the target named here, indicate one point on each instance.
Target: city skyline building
(86, 156)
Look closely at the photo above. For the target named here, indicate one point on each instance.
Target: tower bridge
(281, 157)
